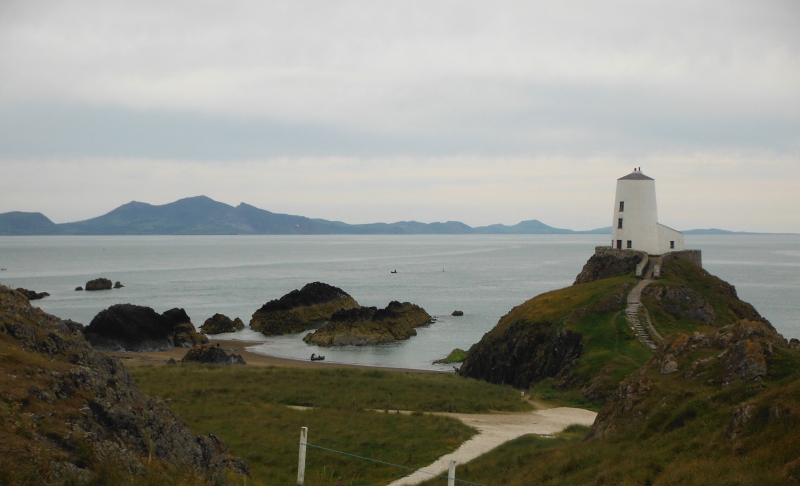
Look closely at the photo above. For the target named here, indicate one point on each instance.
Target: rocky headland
(32, 294)
(715, 402)
(220, 323)
(362, 326)
(128, 327)
(71, 415)
(301, 309)
(578, 338)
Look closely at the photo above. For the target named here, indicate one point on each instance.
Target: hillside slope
(70, 414)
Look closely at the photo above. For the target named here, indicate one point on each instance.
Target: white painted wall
(640, 218)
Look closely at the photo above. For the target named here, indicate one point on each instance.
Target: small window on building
(621, 206)
(619, 223)
(672, 245)
(630, 244)
(619, 244)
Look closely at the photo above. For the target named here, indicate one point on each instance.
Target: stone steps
(632, 312)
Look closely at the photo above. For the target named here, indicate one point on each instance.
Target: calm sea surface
(482, 275)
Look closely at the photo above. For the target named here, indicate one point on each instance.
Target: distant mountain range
(202, 215)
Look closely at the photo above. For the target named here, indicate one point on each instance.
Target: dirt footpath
(496, 429)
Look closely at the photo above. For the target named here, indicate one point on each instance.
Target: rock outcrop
(220, 323)
(369, 325)
(69, 410)
(32, 294)
(128, 327)
(211, 354)
(98, 284)
(738, 352)
(457, 313)
(301, 309)
(118, 285)
(608, 262)
(682, 302)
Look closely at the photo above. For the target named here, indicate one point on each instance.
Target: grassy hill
(717, 403)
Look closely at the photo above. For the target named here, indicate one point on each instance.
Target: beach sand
(252, 359)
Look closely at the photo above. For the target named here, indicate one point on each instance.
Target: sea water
(484, 276)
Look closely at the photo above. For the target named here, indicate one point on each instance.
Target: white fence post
(451, 475)
(301, 461)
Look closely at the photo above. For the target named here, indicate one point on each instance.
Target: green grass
(247, 408)
(677, 434)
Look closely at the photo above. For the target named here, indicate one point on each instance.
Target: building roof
(637, 176)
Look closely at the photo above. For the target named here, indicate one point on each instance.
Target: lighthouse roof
(635, 175)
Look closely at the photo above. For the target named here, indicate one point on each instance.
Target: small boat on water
(393, 271)
(315, 357)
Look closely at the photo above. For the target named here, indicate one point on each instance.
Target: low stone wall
(691, 255)
(694, 256)
(608, 250)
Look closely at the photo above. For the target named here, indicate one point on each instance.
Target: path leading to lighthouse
(496, 429)
(635, 304)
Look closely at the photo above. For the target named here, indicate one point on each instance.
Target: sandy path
(496, 429)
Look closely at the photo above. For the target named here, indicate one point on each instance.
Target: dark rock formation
(78, 288)
(682, 302)
(118, 285)
(32, 295)
(458, 313)
(185, 334)
(607, 263)
(523, 354)
(128, 327)
(80, 409)
(210, 354)
(369, 325)
(220, 323)
(738, 352)
(98, 284)
(74, 326)
(300, 309)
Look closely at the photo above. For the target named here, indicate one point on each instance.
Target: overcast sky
(482, 112)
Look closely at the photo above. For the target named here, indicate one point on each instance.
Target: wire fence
(388, 463)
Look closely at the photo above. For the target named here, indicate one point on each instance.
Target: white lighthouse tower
(635, 224)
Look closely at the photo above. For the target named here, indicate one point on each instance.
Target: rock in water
(32, 295)
(300, 309)
(185, 335)
(78, 288)
(457, 313)
(456, 356)
(220, 323)
(118, 285)
(208, 353)
(369, 325)
(92, 411)
(128, 327)
(98, 284)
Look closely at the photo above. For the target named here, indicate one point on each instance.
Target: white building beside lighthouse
(635, 224)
